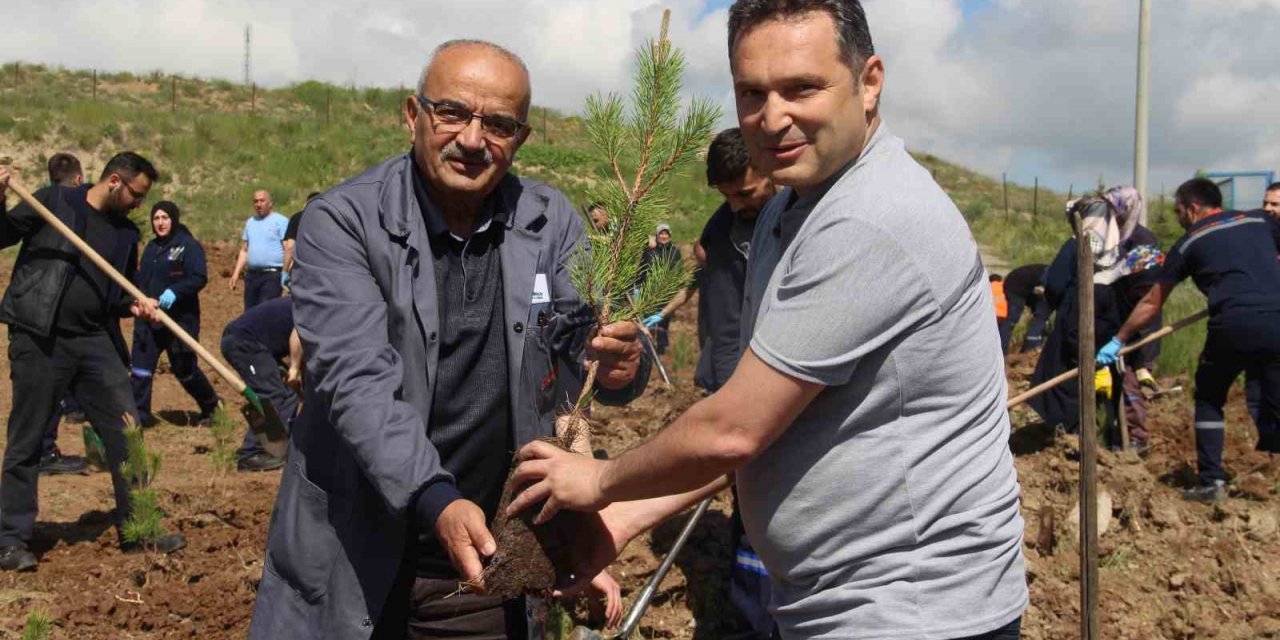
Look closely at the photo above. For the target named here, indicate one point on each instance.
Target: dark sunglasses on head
(453, 117)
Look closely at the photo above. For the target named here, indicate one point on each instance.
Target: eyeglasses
(139, 197)
(452, 118)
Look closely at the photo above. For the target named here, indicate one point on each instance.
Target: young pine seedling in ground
(642, 143)
(39, 626)
(140, 469)
(223, 427)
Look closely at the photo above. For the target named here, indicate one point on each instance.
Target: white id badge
(540, 292)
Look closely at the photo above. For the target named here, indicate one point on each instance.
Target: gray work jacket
(365, 304)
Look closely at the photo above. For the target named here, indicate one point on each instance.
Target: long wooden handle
(223, 370)
(1063, 377)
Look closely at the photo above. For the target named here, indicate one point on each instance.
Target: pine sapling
(140, 469)
(39, 626)
(223, 428)
(642, 144)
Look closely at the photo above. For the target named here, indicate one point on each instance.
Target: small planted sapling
(642, 144)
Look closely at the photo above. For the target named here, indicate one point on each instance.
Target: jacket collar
(400, 203)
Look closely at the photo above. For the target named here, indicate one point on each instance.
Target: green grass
(215, 142)
(213, 151)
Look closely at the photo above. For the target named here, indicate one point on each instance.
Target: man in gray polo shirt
(865, 423)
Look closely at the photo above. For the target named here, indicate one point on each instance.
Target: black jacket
(176, 263)
(46, 262)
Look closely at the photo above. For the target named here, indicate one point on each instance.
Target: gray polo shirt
(889, 508)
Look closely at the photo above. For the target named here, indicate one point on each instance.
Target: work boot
(15, 558)
(165, 544)
(54, 463)
(1214, 491)
(261, 461)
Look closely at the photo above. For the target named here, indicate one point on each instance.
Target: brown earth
(1168, 569)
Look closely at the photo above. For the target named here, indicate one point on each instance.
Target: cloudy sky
(1029, 87)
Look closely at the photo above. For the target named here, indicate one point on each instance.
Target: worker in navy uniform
(172, 271)
(1232, 258)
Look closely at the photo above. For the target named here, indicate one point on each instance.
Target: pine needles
(39, 626)
(643, 143)
(140, 469)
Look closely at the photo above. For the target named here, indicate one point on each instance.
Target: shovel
(262, 417)
(637, 609)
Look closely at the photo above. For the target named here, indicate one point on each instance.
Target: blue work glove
(653, 320)
(284, 278)
(1108, 354)
(167, 299)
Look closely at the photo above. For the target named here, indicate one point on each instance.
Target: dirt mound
(1169, 569)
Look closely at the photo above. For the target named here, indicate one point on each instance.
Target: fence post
(253, 99)
(17, 74)
(1004, 182)
(328, 104)
(1035, 199)
(1088, 439)
(95, 84)
(173, 94)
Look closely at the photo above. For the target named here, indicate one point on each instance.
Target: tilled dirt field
(1169, 569)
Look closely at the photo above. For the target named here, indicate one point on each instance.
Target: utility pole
(1143, 101)
(248, 37)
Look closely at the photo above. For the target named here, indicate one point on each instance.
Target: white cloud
(1024, 86)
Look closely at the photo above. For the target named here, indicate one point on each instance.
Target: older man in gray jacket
(434, 306)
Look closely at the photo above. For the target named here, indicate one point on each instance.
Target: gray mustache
(454, 152)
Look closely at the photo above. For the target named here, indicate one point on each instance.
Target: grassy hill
(215, 142)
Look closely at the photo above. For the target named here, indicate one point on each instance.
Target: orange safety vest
(1002, 303)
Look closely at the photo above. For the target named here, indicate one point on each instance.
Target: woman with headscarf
(173, 271)
(1124, 252)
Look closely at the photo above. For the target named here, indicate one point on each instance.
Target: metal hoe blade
(265, 423)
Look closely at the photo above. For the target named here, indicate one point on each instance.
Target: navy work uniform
(254, 345)
(174, 263)
(1232, 258)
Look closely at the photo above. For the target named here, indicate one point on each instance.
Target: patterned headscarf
(1108, 222)
(1129, 209)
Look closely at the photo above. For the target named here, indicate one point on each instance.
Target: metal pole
(1143, 101)
(1088, 440)
(95, 84)
(1035, 199)
(173, 94)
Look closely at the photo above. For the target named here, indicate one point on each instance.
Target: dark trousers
(49, 443)
(1040, 311)
(661, 336)
(747, 617)
(1253, 394)
(261, 372)
(261, 285)
(427, 609)
(1011, 631)
(149, 341)
(42, 369)
(1254, 346)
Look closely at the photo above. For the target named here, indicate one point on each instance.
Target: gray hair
(853, 35)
